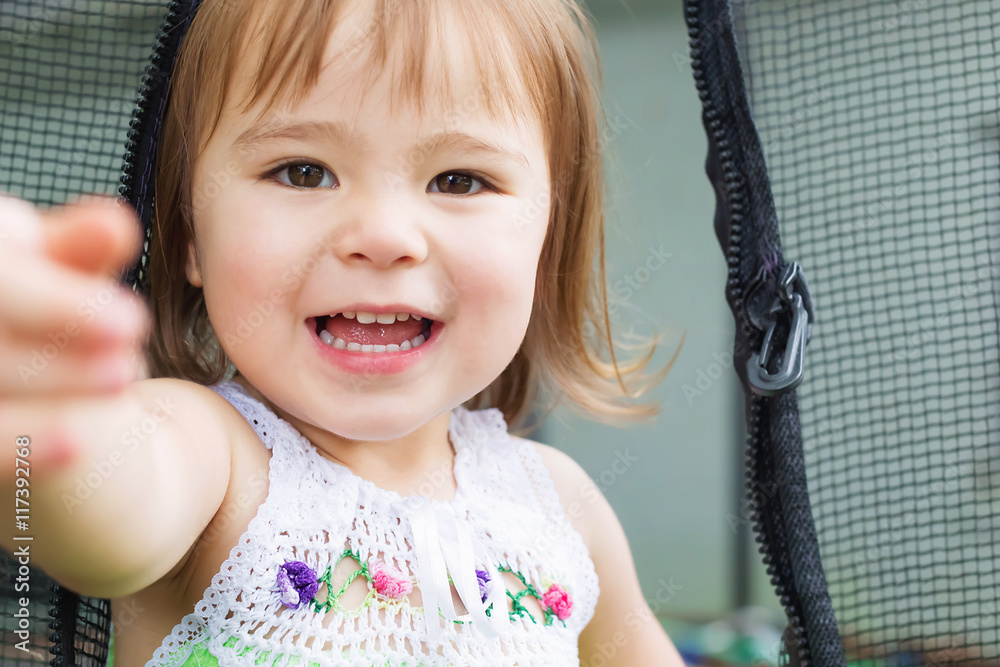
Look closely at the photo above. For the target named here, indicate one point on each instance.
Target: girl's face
(338, 206)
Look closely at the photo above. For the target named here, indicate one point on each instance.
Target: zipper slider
(793, 295)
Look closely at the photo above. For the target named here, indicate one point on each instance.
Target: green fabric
(200, 657)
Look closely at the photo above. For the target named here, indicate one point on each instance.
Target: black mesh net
(880, 126)
(69, 74)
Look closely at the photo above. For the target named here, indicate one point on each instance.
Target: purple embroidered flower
(483, 577)
(297, 584)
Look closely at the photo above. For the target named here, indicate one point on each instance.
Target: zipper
(139, 160)
(792, 296)
(63, 610)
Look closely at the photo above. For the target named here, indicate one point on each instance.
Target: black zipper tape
(139, 170)
(770, 301)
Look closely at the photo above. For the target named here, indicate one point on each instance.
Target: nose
(381, 234)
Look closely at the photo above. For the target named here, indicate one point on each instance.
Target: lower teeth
(341, 344)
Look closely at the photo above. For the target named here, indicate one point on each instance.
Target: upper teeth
(381, 318)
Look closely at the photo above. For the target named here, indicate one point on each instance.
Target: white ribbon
(440, 540)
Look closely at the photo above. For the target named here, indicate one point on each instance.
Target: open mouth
(377, 334)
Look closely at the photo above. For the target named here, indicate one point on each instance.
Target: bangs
(506, 53)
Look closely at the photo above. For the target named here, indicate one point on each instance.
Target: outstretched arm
(624, 631)
(105, 482)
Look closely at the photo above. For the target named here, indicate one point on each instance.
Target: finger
(48, 371)
(20, 225)
(39, 296)
(31, 442)
(97, 235)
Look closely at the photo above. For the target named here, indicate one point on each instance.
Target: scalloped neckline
(394, 497)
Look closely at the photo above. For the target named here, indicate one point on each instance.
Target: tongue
(351, 331)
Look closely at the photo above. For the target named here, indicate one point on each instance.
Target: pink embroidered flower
(559, 601)
(389, 581)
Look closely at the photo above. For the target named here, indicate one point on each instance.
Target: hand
(67, 328)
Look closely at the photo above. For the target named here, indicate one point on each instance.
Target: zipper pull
(794, 296)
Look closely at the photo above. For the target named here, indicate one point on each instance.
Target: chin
(373, 423)
(381, 432)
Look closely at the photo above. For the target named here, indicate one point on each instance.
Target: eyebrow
(338, 133)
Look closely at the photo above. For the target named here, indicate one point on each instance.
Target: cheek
(497, 283)
(248, 268)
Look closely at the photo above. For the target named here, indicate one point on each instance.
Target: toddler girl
(375, 230)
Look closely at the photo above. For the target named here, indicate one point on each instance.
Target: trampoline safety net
(880, 128)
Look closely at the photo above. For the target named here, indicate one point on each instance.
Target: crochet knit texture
(275, 601)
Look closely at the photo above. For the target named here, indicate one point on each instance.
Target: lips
(373, 360)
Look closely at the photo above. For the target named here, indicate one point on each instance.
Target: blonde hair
(549, 43)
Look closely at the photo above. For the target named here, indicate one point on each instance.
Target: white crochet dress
(275, 601)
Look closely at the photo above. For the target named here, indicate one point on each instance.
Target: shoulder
(577, 492)
(220, 449)
(588, 510)
(199, 415)
(622, 619)
(191, 405)
(197, 411)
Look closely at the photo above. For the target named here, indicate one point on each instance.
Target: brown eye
(305, 175)
(456, 183)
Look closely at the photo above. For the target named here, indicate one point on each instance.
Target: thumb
(97, 235)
